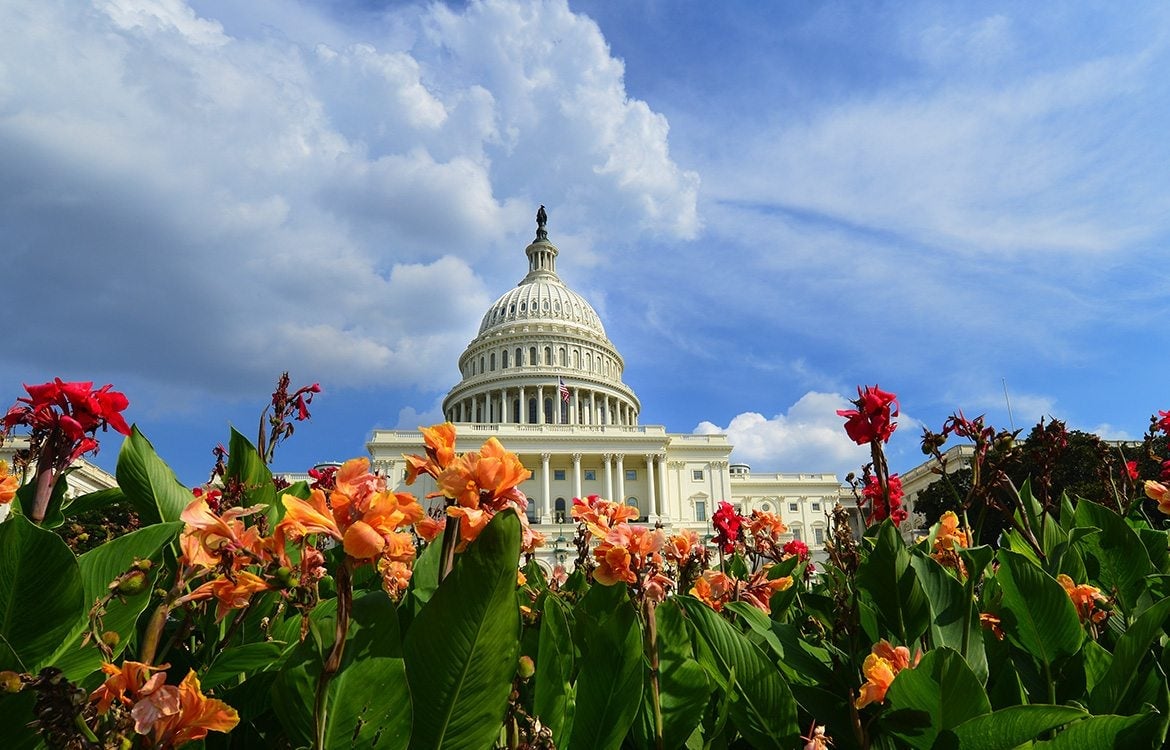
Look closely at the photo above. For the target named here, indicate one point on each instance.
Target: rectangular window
(559, 475)
(820, 535)
(631, 474)
(697, 475)
(796, 534)
(793, 508)
(816, 507)
(591, 475)
(700, 510)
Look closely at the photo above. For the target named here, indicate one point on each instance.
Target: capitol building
(545, 379)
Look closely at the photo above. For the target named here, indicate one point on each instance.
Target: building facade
(543, 377)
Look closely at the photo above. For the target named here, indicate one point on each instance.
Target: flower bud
(284, 576)
(111, 638)
(142, 564)
(526, 668)
(10, 682)
(134, 582)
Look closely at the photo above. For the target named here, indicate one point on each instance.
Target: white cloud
(246, 192)
(807, 438)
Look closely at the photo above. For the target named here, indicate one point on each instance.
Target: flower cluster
(728, 527)
(881, 666)
(171, 715)
(872, 420)
(948, 541)
(880, 507)
(70, 413)
(716, 588)
(478, 484)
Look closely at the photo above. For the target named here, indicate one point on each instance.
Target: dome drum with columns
(584, 437)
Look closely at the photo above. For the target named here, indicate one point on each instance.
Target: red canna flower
(872, 419)
(728, 527)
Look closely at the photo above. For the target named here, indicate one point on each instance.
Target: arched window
(492, 361)
(481, 369)
(532, 414)
(559, 510)
(561, 357)
(519, 357)
(504, 359)
(588, 361)
(532, 360)
(548, 411)
(516, 411)
(576, 360)
(548, 355)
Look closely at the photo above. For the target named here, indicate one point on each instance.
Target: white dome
(534, 338)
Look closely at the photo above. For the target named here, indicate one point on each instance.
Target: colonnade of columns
(614, 487)
(585, 407)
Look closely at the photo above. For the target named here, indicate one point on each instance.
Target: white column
(621, 477)
(504, 406)
(576, 477)
(523, 408)
(592, 408)
(608, 458)
(573, 408)
(545, 516)
(653, 509)
(540, 404)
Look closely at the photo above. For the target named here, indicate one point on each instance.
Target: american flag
(564, 391)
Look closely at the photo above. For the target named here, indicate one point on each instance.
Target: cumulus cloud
(806, 438)
(239, 193)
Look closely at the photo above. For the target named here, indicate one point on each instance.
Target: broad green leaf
(462, 648)
(802, 661)
(954, 613)
(245, 465)
(1156, 548)
(609, 685)
(1141, 730)
(941, 692)
(1116, 559)
(369, 707)
(763, 708)
(41, 594)
(94, 501)
(684, 690)
(1037, 612)
(148, 483)
(1132, 648)
(372, 637)
(248, 658)
(26, 500)
(889, 580)
(1009, 727)
(552, 693)
(98, 568)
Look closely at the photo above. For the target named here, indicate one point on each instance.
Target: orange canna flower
(714, 588)
(197, 716)
(208, 537)
(429, 528)
(992, 623)
(766, 526)
(440, 449)
(880, 667)
(471, 522)
(230, 594)
(1160, 493)
(626, 551)
(681, 546)
(1085, 598)
(303, 517)
(395, 577)
(484, 476)
(599, 516)
(9, 484)
(124, 683)
(948, 540)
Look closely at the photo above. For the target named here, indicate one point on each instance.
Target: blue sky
(768, 204)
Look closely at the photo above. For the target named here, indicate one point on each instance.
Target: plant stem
(650, 644)
(332, 663)
(450, 540)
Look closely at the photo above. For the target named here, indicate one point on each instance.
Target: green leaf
(953, 612)
(887, 577)
(26, 497)
(762, 706)
(369, 706)
(94, 501)
(942, 692)
(99, 567)
(462, 649)
(1037, 612)
(1124, 672)
(41, 594)
(245, 465)
(552, 694)
(373, 638)
(1008, 728)
(148, 483)
(684, 689)
(1116, 559)
(1103, 732)
(248, 659)
(609, 685)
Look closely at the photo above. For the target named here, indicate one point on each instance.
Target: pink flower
(797, 549)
